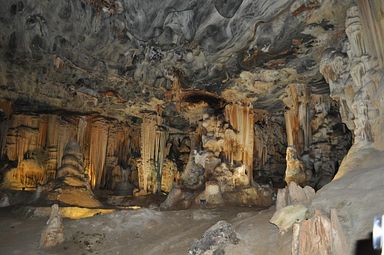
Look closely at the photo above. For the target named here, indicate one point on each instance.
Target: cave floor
(144, 231)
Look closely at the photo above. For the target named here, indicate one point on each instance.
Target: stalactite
(51, 145)
(241, 119)
(43, 128)
(148, 136)
(3, 136)
(97, 153)
(153, 143)
(297, 116)
(81, 131)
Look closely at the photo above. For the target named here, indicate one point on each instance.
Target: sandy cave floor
(144, 231)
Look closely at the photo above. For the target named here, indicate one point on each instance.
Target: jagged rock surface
(214, 239)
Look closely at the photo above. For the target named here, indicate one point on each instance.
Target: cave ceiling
(113, 57)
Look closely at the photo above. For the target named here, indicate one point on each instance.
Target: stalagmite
(295, 171)
(53, 233)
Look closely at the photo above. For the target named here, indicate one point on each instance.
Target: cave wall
(315, 129)
(355, 77)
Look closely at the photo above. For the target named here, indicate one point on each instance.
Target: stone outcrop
(72, 170)
(293, 195)
(4, 200)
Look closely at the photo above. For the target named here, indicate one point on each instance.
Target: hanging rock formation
(37, 144)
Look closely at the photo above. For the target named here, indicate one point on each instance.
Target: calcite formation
(354, 78)
(37, 143)
(310, 118)
(53, 233)
(295, 171)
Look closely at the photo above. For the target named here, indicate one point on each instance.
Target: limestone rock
(213, 194)
(169, 175)
(313, 236)
(294, 194)
(251, 196)
(178, 199)
(214, 239)
(53, 233)
(285, 217)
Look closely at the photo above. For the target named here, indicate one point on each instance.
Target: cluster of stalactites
(297, 117)
(49, 134)
(153, 153)
(239, 145)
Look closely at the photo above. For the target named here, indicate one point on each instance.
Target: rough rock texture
(355, 80)
(214, 239)
(53, 233)
(72, 49)
(315, 131)
(135, 78)
(319, 235)
(294, 194)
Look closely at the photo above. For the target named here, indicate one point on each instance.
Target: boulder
(215, 239)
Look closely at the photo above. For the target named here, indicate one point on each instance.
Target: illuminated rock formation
(72, 166)
(153, 153)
